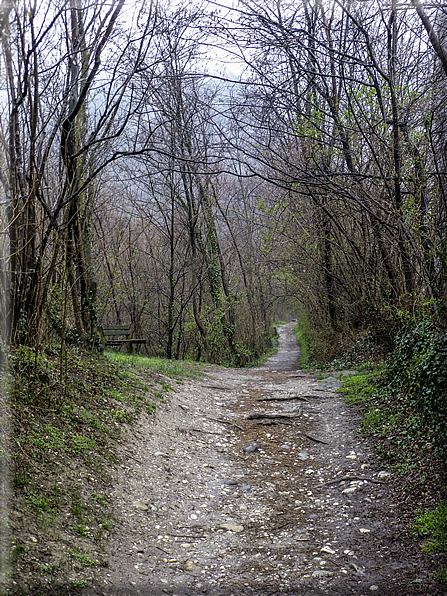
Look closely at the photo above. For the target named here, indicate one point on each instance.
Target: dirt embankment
(305, 509)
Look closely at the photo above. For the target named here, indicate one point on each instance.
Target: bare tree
(66, 103)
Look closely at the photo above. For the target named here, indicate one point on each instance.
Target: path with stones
(307, 511)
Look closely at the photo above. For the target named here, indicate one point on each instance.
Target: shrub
(416, 372)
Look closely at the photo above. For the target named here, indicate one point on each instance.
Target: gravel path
(304, 510)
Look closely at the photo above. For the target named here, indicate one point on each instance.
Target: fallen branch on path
(272, 415)
(134, 458)
(218, 388)
(225, 422)
(302, 376)
(351, 478)
(297, 397)
(199, 430)
(315, 439)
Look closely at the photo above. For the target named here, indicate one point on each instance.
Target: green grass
(433, 525)
(359, 388)
(405, 443)
(301, 334)
(83, 558)
(171, 368)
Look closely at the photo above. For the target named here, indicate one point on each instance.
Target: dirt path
(309, 512)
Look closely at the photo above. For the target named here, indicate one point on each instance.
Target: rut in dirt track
(307, 513)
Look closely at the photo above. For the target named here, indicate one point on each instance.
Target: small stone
(141, 505)
(383, 474)
(310, 471)
(303, 455)
(351, 456)
(357, 569)
(374, 588)
(349, 490)
(285, 447)
(231, 482)
(232, 527)
(191, 566)
(328, 550)
(322, 573)
(364, 531)
(245, 487)
(251, 448)
(331, 383)
(33, 539)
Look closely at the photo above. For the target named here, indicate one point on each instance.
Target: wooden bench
(112, 336)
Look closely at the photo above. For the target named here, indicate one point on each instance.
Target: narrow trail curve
(308, 513)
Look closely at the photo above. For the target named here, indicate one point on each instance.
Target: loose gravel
(256, 481)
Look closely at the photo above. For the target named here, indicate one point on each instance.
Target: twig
(219, 388)
(332, 561)
(315, 439)
(273, 415)
(226, 422)
(134, 458)
(349, 478)
(298, 397)
(199, 430)
(302, 376)
(162, 550)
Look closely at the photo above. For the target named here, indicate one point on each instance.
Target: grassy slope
(67, 413)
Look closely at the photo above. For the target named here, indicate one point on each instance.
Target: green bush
(416, 373)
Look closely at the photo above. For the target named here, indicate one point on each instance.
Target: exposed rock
(251, 448)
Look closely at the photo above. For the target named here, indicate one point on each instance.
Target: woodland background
(144, 182)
